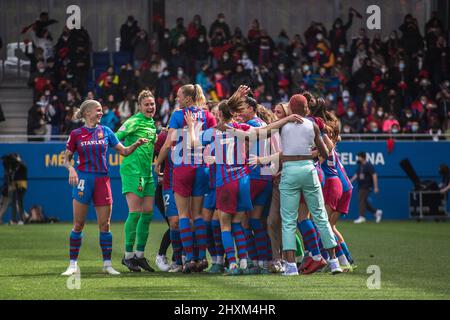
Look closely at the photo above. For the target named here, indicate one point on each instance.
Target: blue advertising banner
(48, 179)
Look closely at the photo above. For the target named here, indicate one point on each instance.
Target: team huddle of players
(238, 181)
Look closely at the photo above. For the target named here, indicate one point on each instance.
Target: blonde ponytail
(200, 99)
(194, 92)
(85, 106)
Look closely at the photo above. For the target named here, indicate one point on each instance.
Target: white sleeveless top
(297, 139)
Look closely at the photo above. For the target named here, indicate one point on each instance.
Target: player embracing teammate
(138, 184)
(190, 175)
(213, 199)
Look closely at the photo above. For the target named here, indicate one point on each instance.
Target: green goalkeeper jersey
(139, 163)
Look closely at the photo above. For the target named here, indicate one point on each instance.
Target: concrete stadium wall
(48, 180)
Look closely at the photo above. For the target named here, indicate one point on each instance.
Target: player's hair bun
(145, 94)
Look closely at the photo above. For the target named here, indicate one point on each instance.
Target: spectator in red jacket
(196, 28)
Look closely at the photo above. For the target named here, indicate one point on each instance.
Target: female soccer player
(170, 208)
(274, 219)
(210, 214)
(332, 189)
(190, 179)
(258, 243)
(90, 179)
(137, 181)
(343, 206)
(232, 188)
(298, 175)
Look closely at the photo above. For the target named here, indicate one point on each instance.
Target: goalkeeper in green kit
(137, 181)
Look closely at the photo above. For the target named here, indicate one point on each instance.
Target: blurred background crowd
(397, 84)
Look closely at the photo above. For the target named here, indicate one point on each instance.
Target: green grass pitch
(413, 259)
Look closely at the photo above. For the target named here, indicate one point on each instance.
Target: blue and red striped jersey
(231, 162)
(92, 145)
(210, 150)
(260, 147)
(168, 165)
(346, 183)
(177, 122)
(167, 183)
(320, 123)
(329, 166)
(256, 122)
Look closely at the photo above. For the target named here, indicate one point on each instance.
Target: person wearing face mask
(379, 116)
(141, 49)
(128, 32)
(395, 129)
(338, 33)
(180, 79)
(344, 103)
(419, 105)
(36, 124)
(373, 127)
(407, 116)
(411, 38)
(109, 118)
(362, 79)
(39, 80)
(177, 32)
(415, 127)
(240, 77)
(220, 23)
(178, 60)
(326, 57)
(163, 86)
(351, 120)
(306, 69)
(109, 87)
(367, 181)
(342, 56)
(200, 51)
(226, 64)
(359, 43)
(389, 123)
(164, 43)
(265, 48)
(246, 62)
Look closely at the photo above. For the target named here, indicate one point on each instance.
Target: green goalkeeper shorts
(140, 186)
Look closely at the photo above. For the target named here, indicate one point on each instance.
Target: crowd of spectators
(397, 84)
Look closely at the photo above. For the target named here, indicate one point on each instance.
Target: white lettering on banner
(90, 143)
(375, 158)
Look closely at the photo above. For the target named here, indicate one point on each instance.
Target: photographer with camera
(14, 188)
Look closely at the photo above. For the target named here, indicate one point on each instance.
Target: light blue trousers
(301, 177)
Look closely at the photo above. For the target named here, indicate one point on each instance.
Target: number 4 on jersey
(81, 185)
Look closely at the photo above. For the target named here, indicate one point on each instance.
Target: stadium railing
(427, 205)
(399, 136)
(14, 138)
